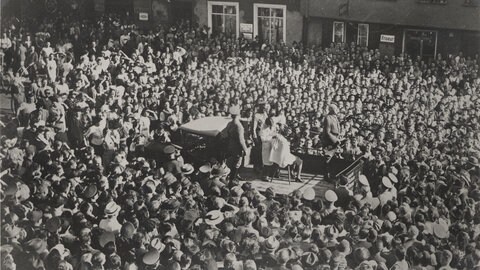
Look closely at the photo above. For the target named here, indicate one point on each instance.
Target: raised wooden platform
(281, 185)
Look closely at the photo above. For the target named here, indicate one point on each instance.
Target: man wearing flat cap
(236, 146)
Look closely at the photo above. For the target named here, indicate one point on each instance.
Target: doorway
(421, 43)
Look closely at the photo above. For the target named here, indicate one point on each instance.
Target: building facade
(418, 27)
(424, 28)
(271, 21)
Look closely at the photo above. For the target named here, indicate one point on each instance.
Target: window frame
(343, 31)
(358, 33)
(419, 30)
(210, 5)
(256, 6)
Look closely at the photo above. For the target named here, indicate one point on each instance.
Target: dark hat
(169, 149)
(344, 247)
(52, 225)
(35, 215)
(127, 230)
(105, 238)
(270, 191)
(171, 204)
(90, 191)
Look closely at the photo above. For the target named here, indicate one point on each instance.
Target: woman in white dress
(267, 133)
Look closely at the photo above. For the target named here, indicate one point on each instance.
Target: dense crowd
(88, 95)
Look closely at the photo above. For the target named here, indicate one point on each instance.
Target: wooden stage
(281, 186)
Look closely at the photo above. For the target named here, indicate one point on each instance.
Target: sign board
(387, 38)
(246, 28)
(143, 16)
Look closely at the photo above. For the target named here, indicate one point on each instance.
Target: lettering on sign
(246, 27)
(143, 16)
(387, 38)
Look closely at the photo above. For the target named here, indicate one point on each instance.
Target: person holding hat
(236, 145)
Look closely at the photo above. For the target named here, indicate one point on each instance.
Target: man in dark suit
(236, 142)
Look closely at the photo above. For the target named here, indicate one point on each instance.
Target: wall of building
(452, 15)
(320, 31)
(294, 26)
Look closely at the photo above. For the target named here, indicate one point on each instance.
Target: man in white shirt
(47, 50)
(110, 223)
(61, 88)
(5, 42)
(52, 68)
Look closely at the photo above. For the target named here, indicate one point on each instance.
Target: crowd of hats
(67, 205)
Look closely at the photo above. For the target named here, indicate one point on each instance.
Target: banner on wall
(387, 38)
(246, 29)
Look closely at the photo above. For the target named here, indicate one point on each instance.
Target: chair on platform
(289, 170)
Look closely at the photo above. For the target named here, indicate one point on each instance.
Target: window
(270, 22)
(362, 37)
(441, 2)
(338, 32)
(223, 17)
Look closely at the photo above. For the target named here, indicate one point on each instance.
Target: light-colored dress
(280, 152)
(266, 135)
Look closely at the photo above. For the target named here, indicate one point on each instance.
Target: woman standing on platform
(267, 133)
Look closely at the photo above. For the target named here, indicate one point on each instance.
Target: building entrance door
(421, 43)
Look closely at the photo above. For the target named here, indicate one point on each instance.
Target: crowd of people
(77, 192)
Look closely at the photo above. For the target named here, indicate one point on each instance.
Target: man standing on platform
(331, 139)
(236, 142)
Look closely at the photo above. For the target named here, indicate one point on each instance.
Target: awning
(208, 126)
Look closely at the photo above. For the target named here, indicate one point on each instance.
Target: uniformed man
(331, 131)
(331, 139)
(236, 145)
